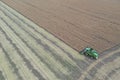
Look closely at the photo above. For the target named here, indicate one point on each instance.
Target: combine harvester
(90, 52)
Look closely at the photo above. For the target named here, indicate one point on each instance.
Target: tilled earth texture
(28, 52)
(79, 23)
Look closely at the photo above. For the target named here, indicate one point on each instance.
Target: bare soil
(79, 23)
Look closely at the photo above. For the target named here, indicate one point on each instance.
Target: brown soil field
(79, 23)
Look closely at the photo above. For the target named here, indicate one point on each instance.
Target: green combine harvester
(90, 52)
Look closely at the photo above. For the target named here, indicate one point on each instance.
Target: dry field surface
(29, 52)
(79, 23)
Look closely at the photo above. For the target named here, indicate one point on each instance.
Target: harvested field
(79, 23)
(28, 52)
